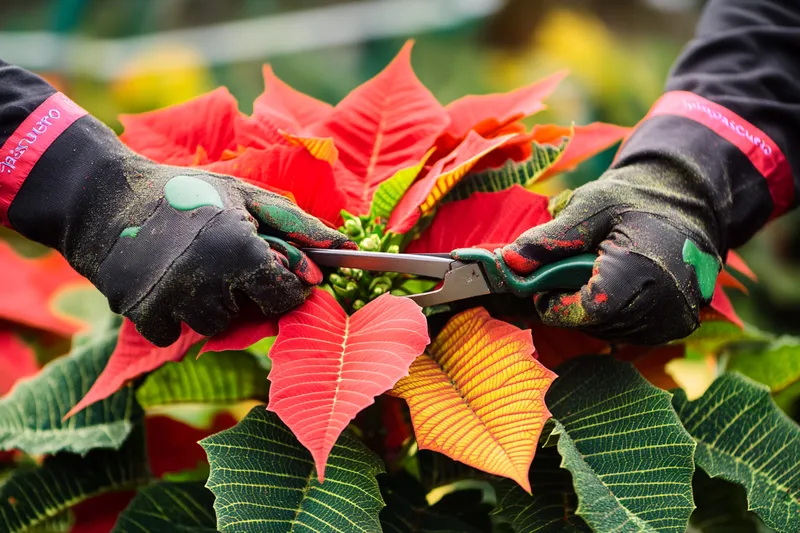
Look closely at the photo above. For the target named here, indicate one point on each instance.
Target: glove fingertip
(161, 333)
(308, 272)
(518, 262)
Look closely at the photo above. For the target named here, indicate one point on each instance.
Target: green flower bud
(382, 282)
(377, 291)
(340, 291)
(369, 244)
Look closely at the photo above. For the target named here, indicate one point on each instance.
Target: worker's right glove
(658, 243)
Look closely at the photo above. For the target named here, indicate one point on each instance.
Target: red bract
(327, 366)
(286, 107)
(490, 114)
(721, 308)
(134, 356)
(17, 360)
(487, 228)
(382, 126)
(583, 142)
(29, 287)
(736, 262)
(172, 445)
(290, 168)
(423, 196)
(195, 132)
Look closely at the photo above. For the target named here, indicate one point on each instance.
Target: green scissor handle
(571, 273)
(292, 254)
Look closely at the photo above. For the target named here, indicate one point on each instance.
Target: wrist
(67, 196)
(749, 178)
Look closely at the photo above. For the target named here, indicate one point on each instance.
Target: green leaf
(512, 173)
(261, 456)
(58, 524)
(31, 416)
(713, 336)
(721, 508)
(219, 377)
(29, 498)
(551, 508)
(776, 365)
(166, 506)
(389, 193)
(743, 437)
(629, 456)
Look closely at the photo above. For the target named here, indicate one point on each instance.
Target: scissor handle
(571, 273)
(292, 254)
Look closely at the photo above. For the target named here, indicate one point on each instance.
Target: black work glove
(658, 242)
(165, 244)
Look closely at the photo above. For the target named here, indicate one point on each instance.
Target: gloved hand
(166, 244)
(659, 246)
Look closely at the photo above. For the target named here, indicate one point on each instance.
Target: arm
(124, 222)
(708, 167)
(745, 59)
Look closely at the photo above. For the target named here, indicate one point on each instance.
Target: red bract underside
(326, 366)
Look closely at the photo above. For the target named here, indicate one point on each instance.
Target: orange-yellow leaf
(320, 147)
(477, 395)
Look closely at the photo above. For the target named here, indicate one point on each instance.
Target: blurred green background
(127, 56)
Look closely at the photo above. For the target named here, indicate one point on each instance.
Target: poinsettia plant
(363, 411)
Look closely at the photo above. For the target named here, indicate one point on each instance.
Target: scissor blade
(432, 266)
(465, 281)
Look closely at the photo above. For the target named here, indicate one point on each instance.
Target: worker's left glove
(654, 228)
(166, 244)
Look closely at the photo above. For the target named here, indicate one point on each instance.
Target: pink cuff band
(762, 152)
(32, 138)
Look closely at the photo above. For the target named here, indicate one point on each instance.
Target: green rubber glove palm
(659, 254)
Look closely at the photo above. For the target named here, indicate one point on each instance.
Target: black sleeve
(745, 57)
(21, 92)
(84, 162)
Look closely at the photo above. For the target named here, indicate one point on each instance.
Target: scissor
(476, 272)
